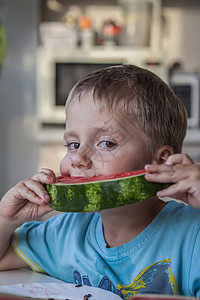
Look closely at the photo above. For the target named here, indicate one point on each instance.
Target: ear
(162, 154)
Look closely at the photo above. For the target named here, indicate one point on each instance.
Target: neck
(122, 224)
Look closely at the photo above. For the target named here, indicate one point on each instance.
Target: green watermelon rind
(100, 195)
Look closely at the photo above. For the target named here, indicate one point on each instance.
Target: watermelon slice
(87, 194)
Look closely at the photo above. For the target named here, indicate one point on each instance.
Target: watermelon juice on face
(101, 143)
(97, 170)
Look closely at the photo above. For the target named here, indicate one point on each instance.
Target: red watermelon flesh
(87, 194)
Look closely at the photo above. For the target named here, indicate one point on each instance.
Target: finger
(45, 176)
(34, 188)
(155, 168)
(47, 171)
(38, 188)
(174, 189)
(172, 173)
(162, 178)
(186, 191)
(159, 173)
(179, 158)
(25, 193)
(42, 210)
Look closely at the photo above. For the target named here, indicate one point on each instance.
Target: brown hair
(136, 91)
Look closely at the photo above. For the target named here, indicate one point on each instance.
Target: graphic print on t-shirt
(155, 279)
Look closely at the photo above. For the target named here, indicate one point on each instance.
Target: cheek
(134, 159)
(140, 159)
(65, 166)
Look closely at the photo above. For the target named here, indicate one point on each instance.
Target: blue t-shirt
(163, 259)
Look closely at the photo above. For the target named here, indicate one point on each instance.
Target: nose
(82, 158)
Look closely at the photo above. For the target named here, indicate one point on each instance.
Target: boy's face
(101, 143)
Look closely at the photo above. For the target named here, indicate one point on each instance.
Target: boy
(117, 119)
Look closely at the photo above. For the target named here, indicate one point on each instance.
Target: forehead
(87, 104)
(77, 98)
(84, 117)
(124, 111)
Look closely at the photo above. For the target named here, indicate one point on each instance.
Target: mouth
(83, 174)
(79, 176)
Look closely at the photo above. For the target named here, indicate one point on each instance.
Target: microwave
(59, 69)
(186, 85)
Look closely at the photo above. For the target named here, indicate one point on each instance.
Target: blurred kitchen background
(47, 45)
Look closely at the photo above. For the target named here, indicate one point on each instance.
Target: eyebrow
(94, 130)
(70, 134)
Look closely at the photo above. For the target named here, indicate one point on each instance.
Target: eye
(107, 144)
(73, 146)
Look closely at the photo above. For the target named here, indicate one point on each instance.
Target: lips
(83, 173)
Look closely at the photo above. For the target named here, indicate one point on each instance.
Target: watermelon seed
(86, 297)
(78, 285)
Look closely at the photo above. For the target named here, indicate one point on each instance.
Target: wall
(18, 150)
(181, 39)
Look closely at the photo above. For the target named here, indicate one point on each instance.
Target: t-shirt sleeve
(36, 243)
(48, 247)
(16, 244)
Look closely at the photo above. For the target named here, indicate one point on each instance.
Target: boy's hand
(180, 170)
(28, 199)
